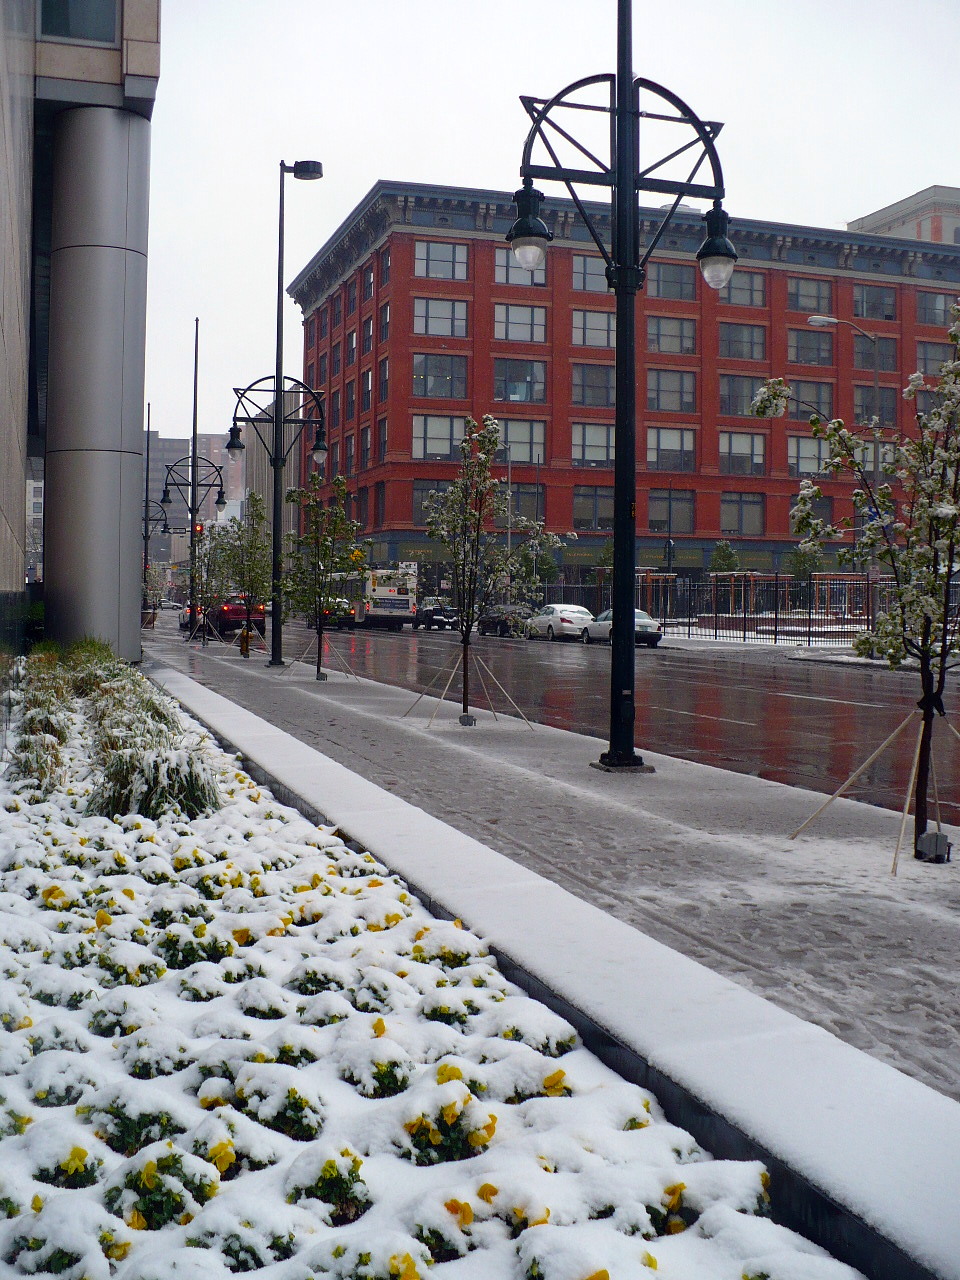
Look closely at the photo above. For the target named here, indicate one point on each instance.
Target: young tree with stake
(909, 507)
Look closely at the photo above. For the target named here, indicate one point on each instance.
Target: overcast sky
(831, 109)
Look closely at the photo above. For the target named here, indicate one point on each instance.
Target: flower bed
(230, 1043)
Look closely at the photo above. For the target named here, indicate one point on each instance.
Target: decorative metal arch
(254, 407)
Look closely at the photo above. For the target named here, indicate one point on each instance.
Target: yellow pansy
(487, 1192)
(148, 1175)
(447, 1071)
(553, 1085)
(75, 1162)
(222, 1155)
(650, 1261)
(450, 1112)
(36, 1204)
(379, 1028)
(102, 919)
(136, 1220)
(673, 1195)
(461, 1210)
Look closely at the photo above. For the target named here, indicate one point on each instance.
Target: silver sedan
(559, 621)
(646, 630)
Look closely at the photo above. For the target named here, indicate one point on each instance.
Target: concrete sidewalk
(727, 1061)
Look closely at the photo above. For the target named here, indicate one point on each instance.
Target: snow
(231, 1042)
(799, 1090)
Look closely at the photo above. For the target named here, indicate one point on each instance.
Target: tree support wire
(480, 667)
(330, 649)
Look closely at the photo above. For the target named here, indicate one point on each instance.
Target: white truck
(388, 597)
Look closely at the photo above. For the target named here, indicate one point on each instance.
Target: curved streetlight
(194, 478)
(287, 406)
(625, 270)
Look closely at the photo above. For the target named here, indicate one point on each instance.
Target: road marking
(778, 693)
(698, 715)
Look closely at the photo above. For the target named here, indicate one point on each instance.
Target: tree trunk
(319, 649)
(931, 704)
(465, 673)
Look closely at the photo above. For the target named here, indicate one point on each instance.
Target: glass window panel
(440, 376)
(594, 329)
(520, 380)
(440, 317)
(519, 324)
(671, 391)
(670, 335)
(589, 274)
(812, 296)
(742, 453)
(743, 341)
(672, 280)
(745, 289)
(670, 510)
(874, 302)
(440, 260)
(507, 270)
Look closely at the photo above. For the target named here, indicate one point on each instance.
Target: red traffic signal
(198, 527)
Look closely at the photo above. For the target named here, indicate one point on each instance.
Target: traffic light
(198, 527)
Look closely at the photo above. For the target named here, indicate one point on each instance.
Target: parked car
(341, 613)
(646, 630)
(503, 620)
(433, 611)
(559, 621)
(232, 613)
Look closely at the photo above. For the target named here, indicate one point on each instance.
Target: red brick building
(416, 314)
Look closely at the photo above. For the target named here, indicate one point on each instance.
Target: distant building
(77, 84)
(932, 214)
(416, 314)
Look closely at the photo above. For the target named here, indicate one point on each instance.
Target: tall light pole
(625, 270)
(831, 322)
(307, 171)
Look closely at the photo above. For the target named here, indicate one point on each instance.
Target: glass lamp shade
(530, 251)
(717, 256)
(717, 271)
(822, 322)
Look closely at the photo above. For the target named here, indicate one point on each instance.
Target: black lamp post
(194, 478)
(287, 406)
(625, 273)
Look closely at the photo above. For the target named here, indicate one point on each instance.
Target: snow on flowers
(229, 1043)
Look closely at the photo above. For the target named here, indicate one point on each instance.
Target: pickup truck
(434, 612)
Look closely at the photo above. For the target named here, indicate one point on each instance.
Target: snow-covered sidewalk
(874, 1140)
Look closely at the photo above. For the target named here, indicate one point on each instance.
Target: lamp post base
(610, 763)
(276, 662)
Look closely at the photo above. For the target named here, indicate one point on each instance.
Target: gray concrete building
(77, 85)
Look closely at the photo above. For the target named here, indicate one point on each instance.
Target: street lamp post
(286, 404)
(831, 322)
(625, 270)
(193, 477)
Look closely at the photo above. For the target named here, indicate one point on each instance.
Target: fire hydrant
(244, 642)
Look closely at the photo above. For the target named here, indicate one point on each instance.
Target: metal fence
(750, 607)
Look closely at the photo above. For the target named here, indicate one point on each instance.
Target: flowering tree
(246, 553)
(321, 555)
(464, 519)
(909, 509)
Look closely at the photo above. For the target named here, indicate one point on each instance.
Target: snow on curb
(872, 1140)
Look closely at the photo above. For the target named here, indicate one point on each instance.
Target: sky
(831, 110)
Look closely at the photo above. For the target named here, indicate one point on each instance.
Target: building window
(745, 289)
(350, 402)
(742, 514)
(743, 341)
(351, 346)
(93, 21)
(422, 489)
(439, 318)
(874, 302)
(594, 384)
(311, 331)
(364, 448)
(385, 322)
(737, 394)
(671, 449)
(883, 351)
(592, 507)
(509, 271)
(865, 405)
(351, 297)
(437, 437)
(811, 398)
(526, 500)
(363, 507)
(335, 410)
(520, 380)
(384, 266)
(806, 456)
(742, 453)
(366, 390)
(440, 260)
(348, 456)
(336, 310)
(524, 439)
(671, 391)
(334, 460)
(866, 454)
(592, 444)
(934, 308)
(440, 377)
(594, 329)
(589, 274)
(379, 504)
(322, 370)
(672, 280)
(366, 341)
(383, 379)
(519, 324)
(368, 282)
(931, 355)
(322, 326)
(670, 336)
(335, 360)
(813, 296)
(382, 440)
(809, 346)
(310, 373)
(670, 511)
